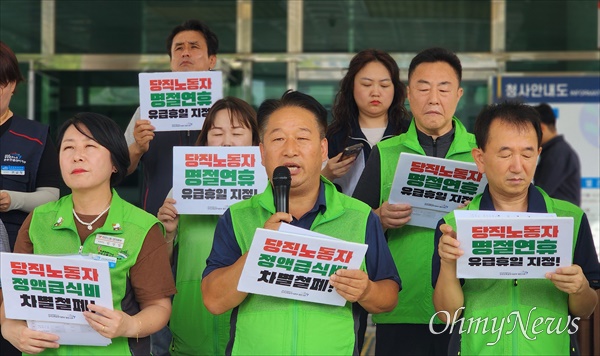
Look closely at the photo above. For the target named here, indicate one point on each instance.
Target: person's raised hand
(168, 215)
(143, 133)
(449, 247)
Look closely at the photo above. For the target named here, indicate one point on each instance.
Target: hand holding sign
(169, 217)
(27, 340)
(352, 284)
(394, 216)
(448, 247)
(143, 133)
(570, 280)
(111, 323)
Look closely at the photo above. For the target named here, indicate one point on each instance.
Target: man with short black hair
(558, 171)
(191, 46)
(292, 134)
(508, 144)
(434, 90)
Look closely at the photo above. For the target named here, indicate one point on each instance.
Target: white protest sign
(53, 288)
(434, 186)
(51, 292)
(175, 101)
(296, 266)
(71, 334)
(466, 214)
(207, 180)
(292, 229)
(524, 246)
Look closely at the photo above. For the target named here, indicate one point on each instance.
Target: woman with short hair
(93, 159)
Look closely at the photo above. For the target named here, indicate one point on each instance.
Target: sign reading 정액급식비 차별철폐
(207, 180)
(298, 266)
(176, 101)
(52, 292)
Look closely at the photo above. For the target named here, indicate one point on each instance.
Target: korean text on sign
(296, 266)
(217, 176)
(53, 289)
(176, 101)
(512, 247)
(432, 183)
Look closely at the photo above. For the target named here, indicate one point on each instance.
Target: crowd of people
(176, 290)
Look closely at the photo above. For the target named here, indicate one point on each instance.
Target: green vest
(276, 326)
(412, 246)
(489, 298)
(195, 330)
(53, 231)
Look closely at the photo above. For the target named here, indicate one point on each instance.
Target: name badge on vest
(109, 241)
(112, 261)
(13, 170)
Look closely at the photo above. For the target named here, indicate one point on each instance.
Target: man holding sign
(292, 133)
(434, 90)
(191, 46)
(537, 310)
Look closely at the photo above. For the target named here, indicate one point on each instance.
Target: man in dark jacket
(558, 172)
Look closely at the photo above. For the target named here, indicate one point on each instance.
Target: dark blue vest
(21, 148)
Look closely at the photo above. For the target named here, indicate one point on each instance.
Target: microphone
(281, 188)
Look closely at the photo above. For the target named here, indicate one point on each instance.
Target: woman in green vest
(230, 122)
(93, 158)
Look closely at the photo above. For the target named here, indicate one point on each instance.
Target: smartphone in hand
(351, 151)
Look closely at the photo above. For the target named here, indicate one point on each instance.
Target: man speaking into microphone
(292, 134)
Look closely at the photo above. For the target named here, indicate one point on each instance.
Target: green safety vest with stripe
(486, 299)
(412, 246)
(53, 231)
(195, 330)
(276, 326)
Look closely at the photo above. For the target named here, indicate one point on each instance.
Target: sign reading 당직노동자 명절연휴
(434, 186)
(509, 245)
(207, 180)
(175, 101)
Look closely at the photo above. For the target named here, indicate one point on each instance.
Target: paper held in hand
(504, 245)
(52, 292)
(434, 186)
(349, 180)
(176, 101)
(207, 180)
(298, 265)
